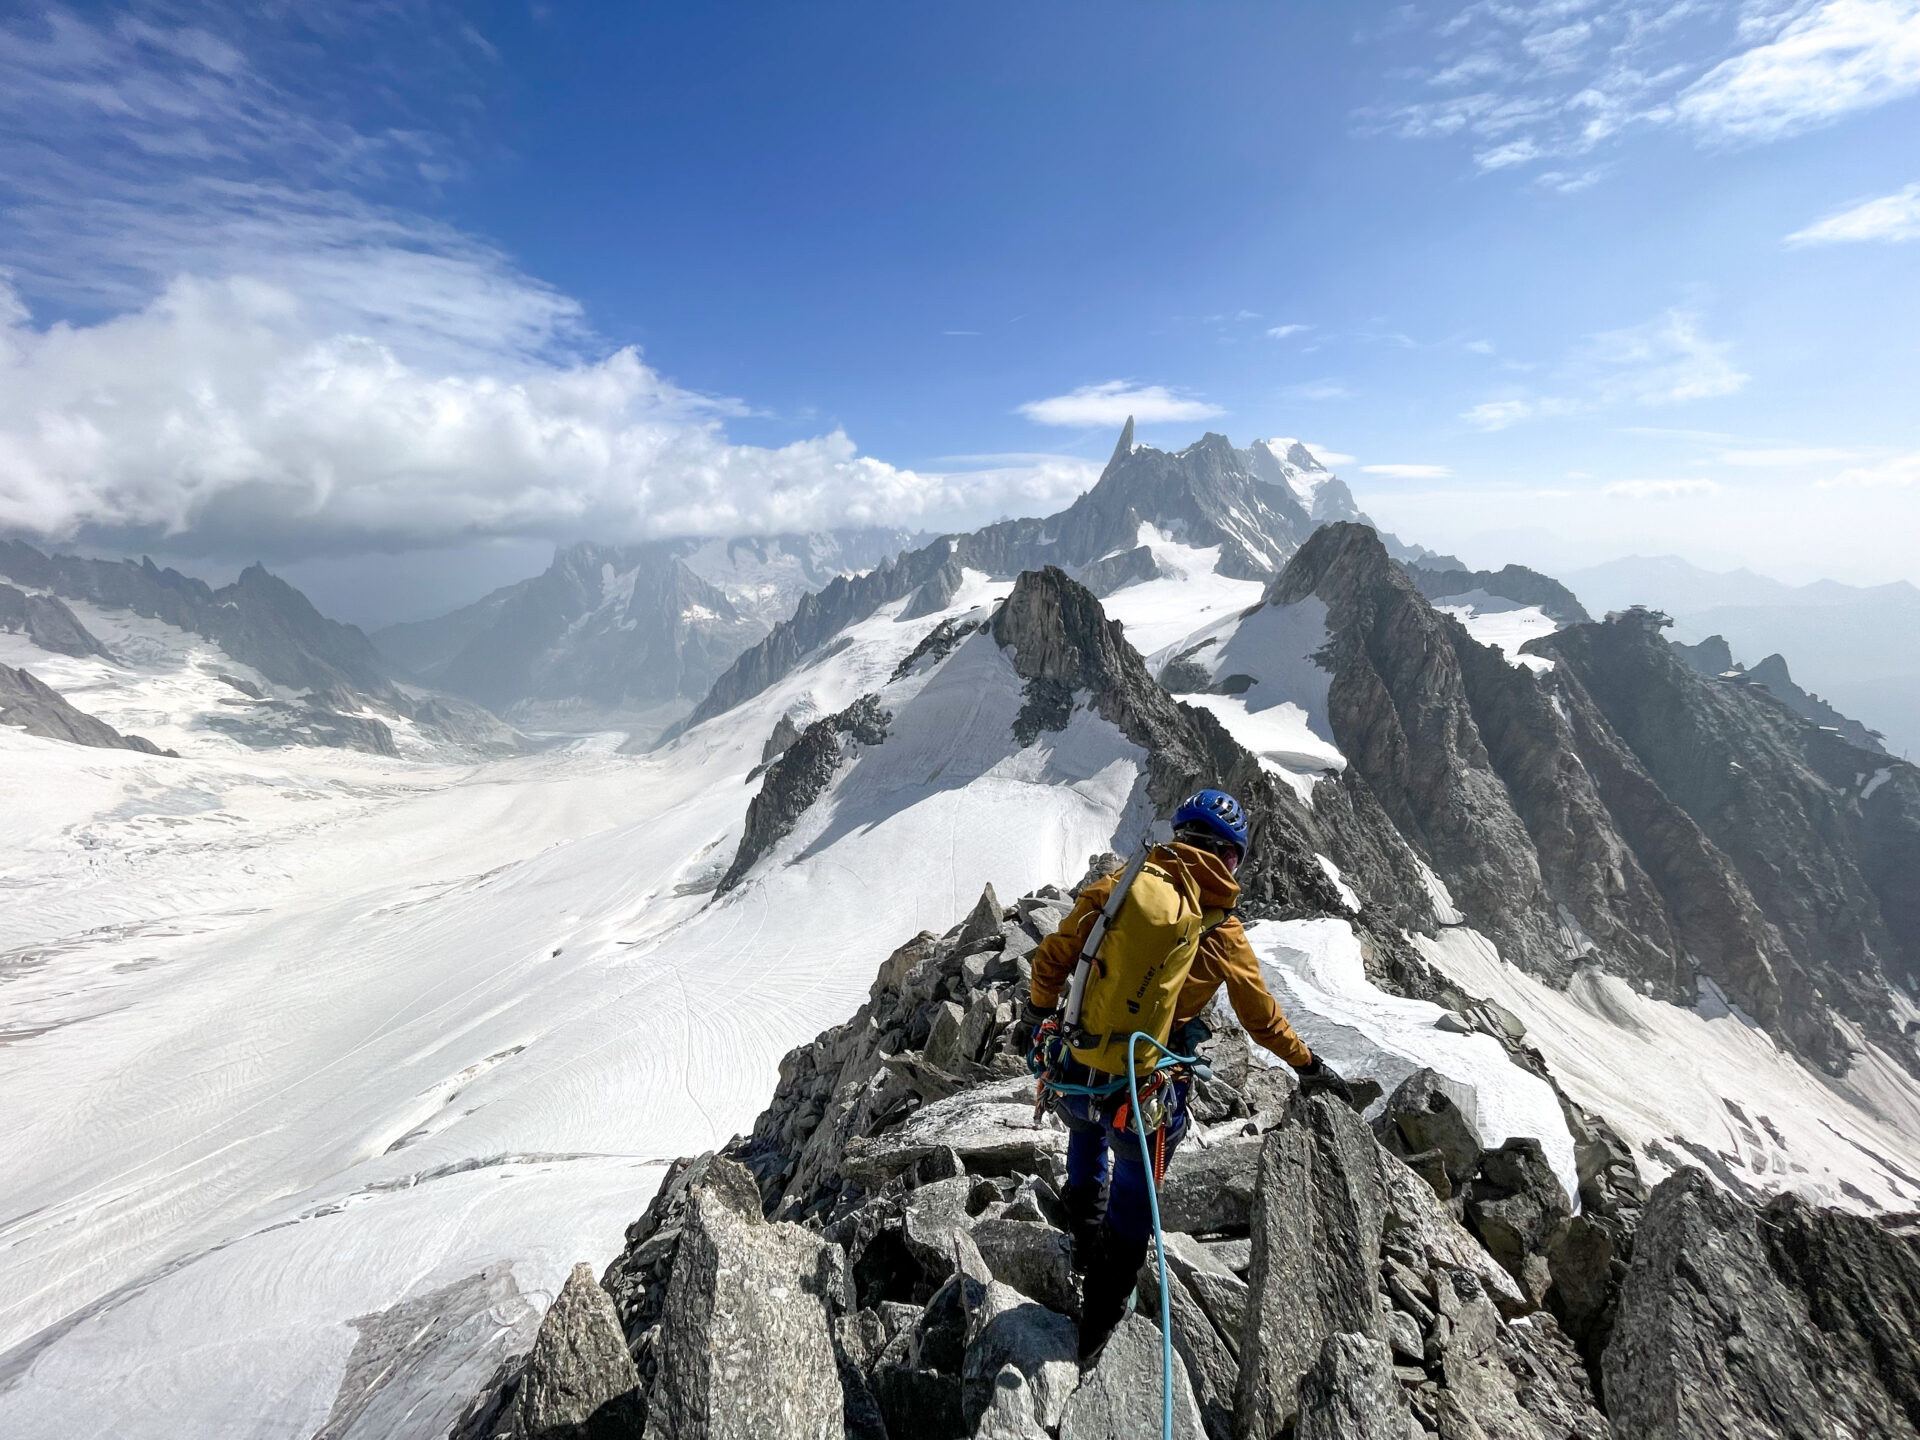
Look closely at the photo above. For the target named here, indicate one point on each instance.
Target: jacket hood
(1218, 889)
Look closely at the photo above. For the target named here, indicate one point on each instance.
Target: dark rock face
(1062, 642)
(1772, 672)
(1513, 582)
(799, 777)
(1402, 707)
(1777, 1322)
(46, 622)
(1787, 804)
(39, 709)
(1622, 809)
(1712, 656)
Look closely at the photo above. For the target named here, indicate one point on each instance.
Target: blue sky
(1559, 281)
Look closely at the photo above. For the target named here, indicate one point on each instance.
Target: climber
(1106, 1201)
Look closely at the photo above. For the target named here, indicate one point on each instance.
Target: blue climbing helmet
(1216, 813)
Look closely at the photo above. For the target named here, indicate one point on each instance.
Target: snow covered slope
(323, 1067)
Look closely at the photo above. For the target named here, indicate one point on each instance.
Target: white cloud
(1326, 457)
(1560, 79)
(1771, 459)
(1658, 489)
(1889, 218)
(1666, 361)
(1408, 472)
(218, 416)
(1899, 470)
(1842, 56)
(1503, 414)
(1515, 152)
(1663, 362)
(1111, 402)
(1281, 332)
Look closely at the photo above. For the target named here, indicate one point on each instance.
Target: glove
(1020, 1035)
(1319, 1078)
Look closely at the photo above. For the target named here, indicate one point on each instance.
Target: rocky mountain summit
(1253, 507)
(886, 1255)
(1713, 657)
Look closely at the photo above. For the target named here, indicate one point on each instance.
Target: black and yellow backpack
(1142, 960)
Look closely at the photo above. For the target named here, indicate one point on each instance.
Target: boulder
(1210, 1188)
(929, 1218)
(1428, 1111)
(1351, 1394)
(991, 1128)
(1787, 1322)
(1010, 1412)
(1043, 1345)
(579, 1383)
(1317, 1217)
(1120, 1398)
(943, 1047)
(1416, 1221)
(1032, 1257)
(981, 925)
(1198, 1340)
(1516, 1206)
(744, 1343)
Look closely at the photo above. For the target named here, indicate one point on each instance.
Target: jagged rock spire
(1125, 447)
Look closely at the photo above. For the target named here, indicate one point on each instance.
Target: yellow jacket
(1225, 957)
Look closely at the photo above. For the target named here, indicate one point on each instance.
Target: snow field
(1658, 1071)
(1315, 970)
(1504, 624)
(339, 1053)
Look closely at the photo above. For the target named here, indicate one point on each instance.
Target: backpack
(1143, 962)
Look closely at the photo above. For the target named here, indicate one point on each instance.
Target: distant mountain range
(1859, 646)
(625, 635)
(315, 681)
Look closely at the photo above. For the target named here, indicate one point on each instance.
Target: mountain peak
(1125, 447)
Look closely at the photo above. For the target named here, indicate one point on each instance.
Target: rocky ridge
(884, 1255)
(1510, 582)
(31, 705)
(1573, 819)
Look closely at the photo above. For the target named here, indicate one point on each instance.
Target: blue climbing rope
(1037, 1060)
(1167, 1060)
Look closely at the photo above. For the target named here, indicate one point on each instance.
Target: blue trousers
(1100, 1156)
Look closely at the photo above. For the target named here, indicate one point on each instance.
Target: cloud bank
(220, 416)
